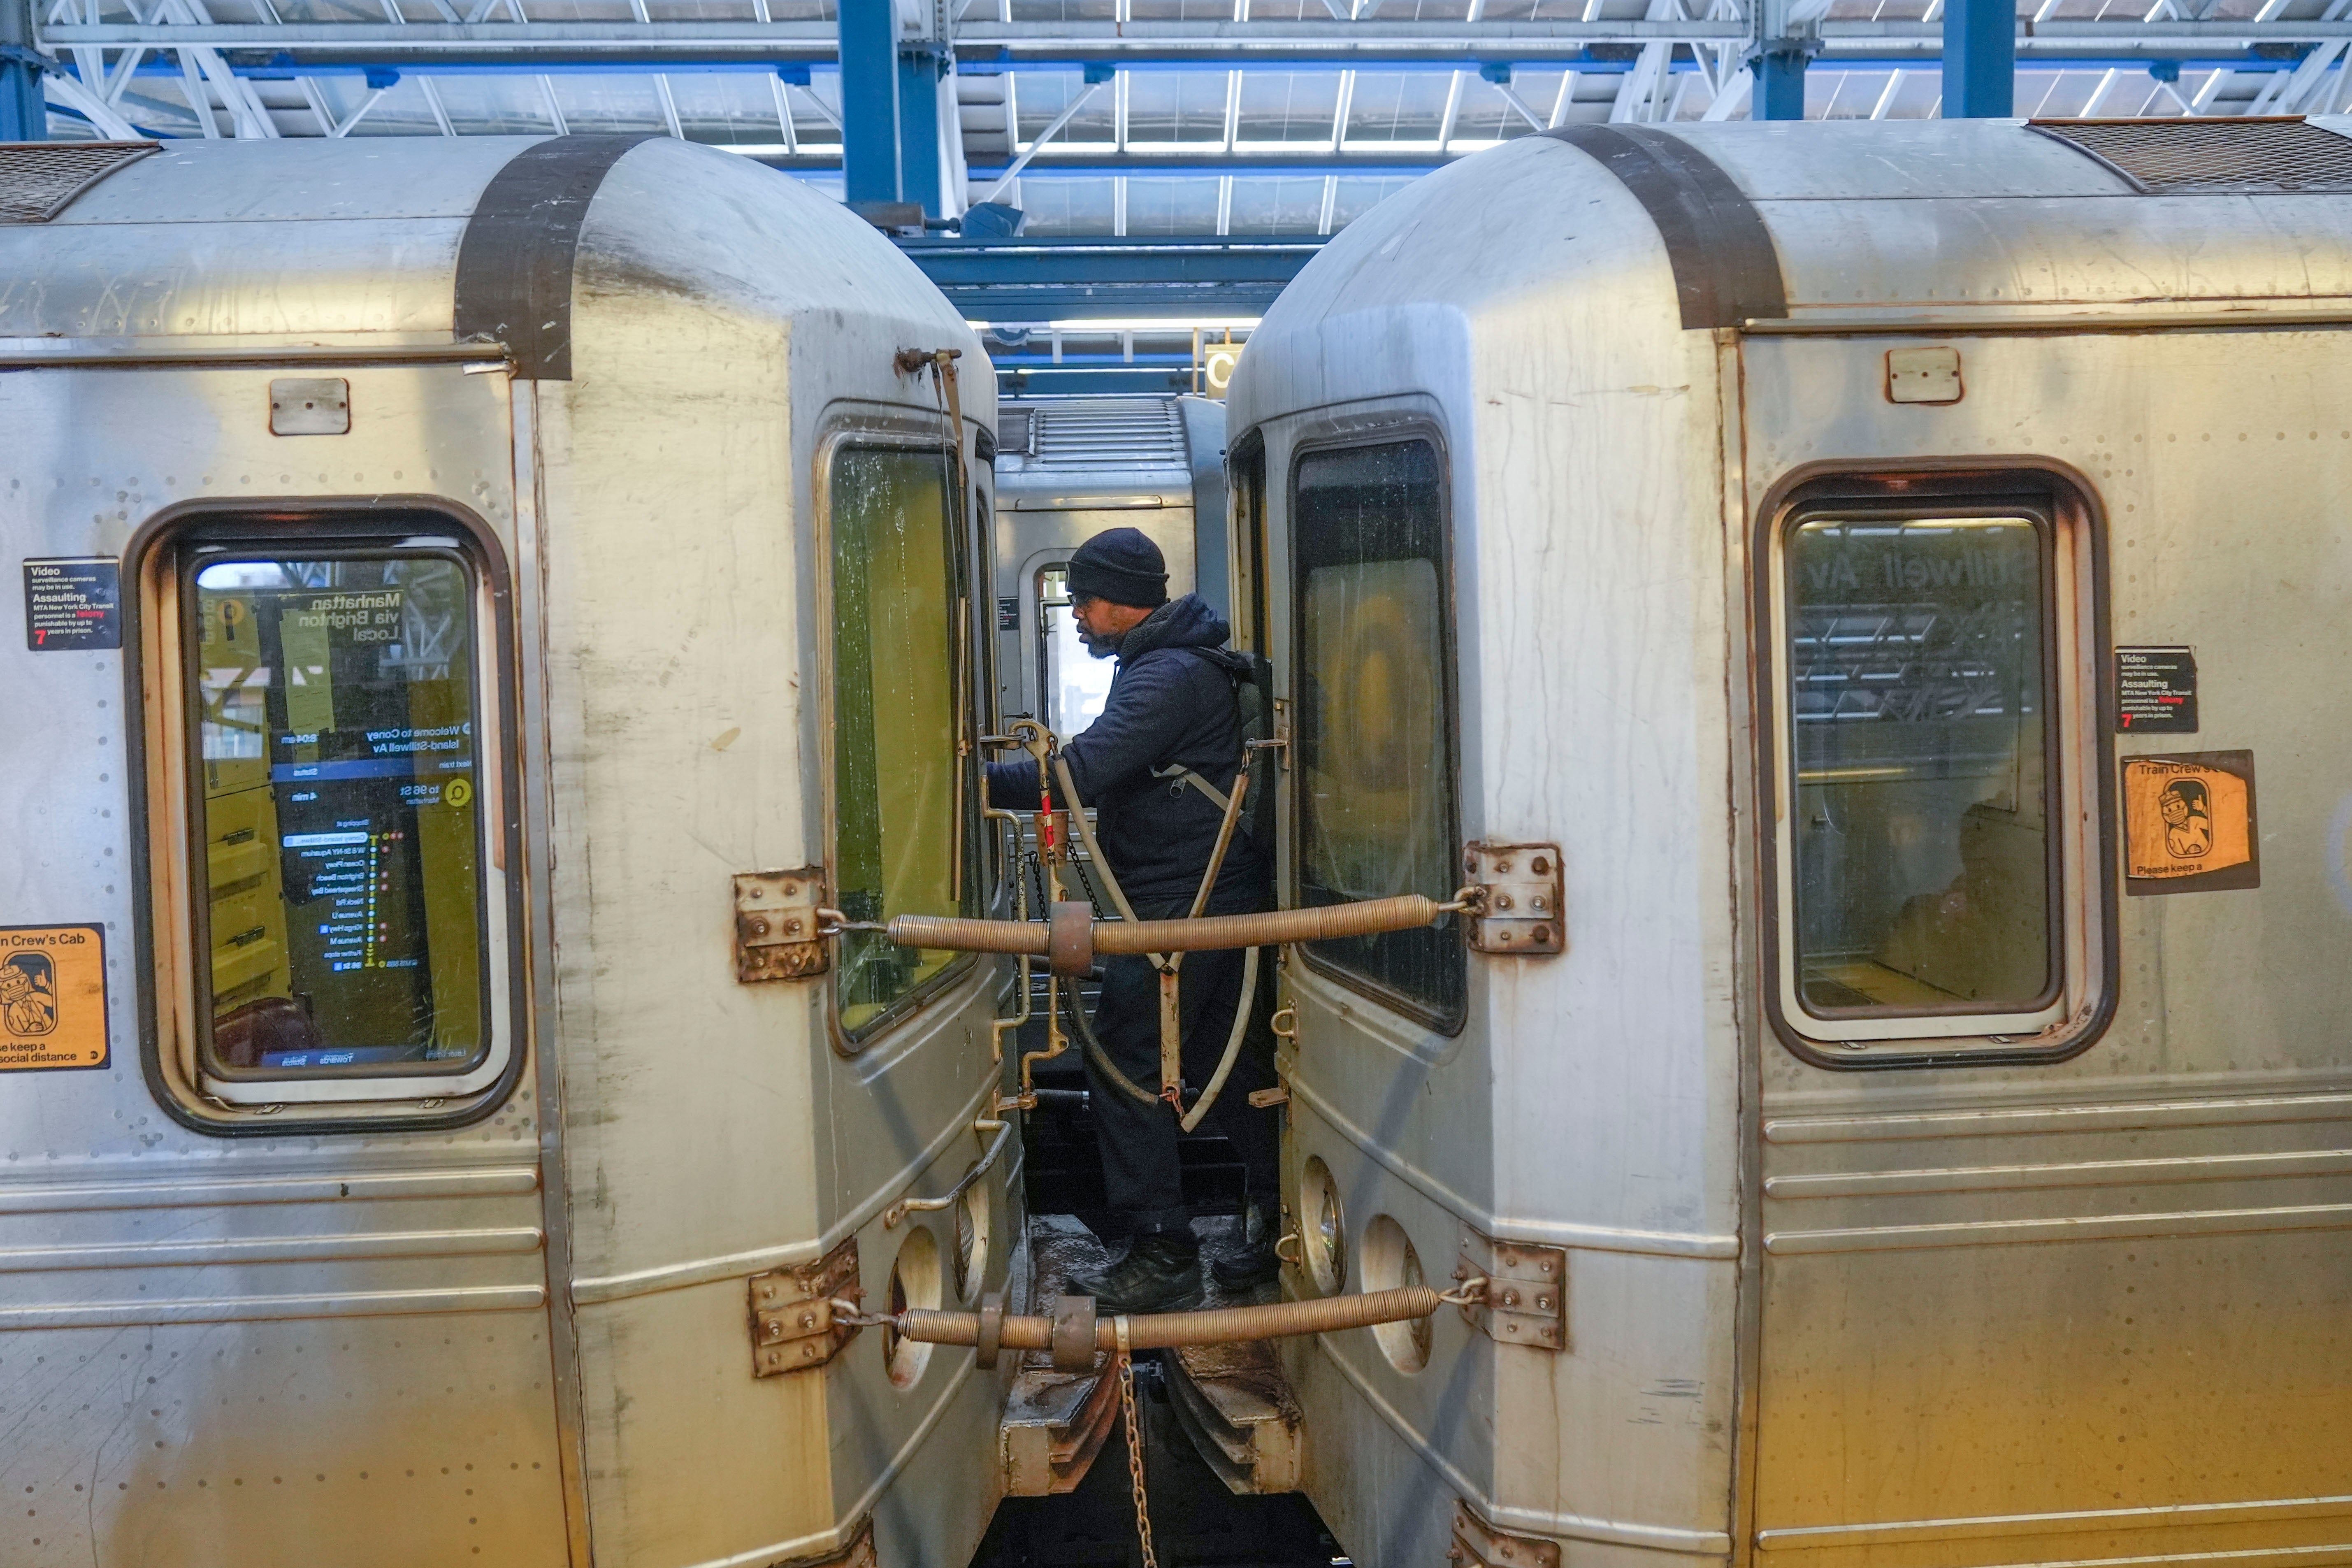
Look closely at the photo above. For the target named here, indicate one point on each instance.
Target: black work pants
(1140, 1172)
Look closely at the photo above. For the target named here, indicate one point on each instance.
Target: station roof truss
(1135, 118)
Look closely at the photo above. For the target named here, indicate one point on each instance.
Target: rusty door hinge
(792, 1324)
(1519, 892)
(776, 925)
(1527, 1291)
(1477, 1544)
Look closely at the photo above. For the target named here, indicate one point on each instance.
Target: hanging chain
(1134, 1442)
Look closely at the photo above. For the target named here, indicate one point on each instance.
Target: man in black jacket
(1172, 710)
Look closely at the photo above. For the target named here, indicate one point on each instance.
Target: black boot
(1160, 1273)
(1252, 1263)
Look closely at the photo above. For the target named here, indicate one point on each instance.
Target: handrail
(903, 1206)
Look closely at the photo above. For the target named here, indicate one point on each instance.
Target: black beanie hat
(1122, 565)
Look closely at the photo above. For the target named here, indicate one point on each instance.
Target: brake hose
(1095, 1051)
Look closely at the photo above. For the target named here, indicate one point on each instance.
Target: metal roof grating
(37, 179)
(2164, 157)
(1128, 432)
(1012, 430)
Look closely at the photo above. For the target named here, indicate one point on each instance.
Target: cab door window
(337, 796)
(1933, 689)
(1374, 730)
(1924, 861)
(905, 826)
(1073, 683)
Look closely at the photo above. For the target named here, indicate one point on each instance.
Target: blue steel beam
(920, 178)
(1014, 383)
(1286, 46)
(1979, 59)
(24, 112)
(1208, 160)
(871, 170)
(285, 66)
(1780, 84)
(1058, 279)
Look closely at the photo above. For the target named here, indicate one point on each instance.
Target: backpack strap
(1172, 771)
(1187, 777)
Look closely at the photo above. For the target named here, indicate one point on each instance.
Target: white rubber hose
(1242, 1011)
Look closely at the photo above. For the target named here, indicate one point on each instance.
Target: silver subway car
(482, 599)
(1067, 467)
(1871, 599)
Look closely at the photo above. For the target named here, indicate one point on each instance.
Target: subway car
(1860, 600)
(482, 600)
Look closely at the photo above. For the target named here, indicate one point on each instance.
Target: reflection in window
(1374, 731)
(1076, 683)
(1922, 857)
(896, 686)
(340, 809)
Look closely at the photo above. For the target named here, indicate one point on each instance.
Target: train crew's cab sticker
(73, 603)
(2155, 690)
(2189, 824)
(52, 997)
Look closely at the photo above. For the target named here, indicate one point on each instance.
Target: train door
(1044, 670)
(2053, 1207)
(1342, 572)
(281, 1279)
(918, 1140)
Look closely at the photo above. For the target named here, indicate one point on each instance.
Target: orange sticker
(2189, 823)
(52, 997)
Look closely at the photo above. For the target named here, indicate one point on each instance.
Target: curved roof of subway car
(1929, 215)
(313, 236)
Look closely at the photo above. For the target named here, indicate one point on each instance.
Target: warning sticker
(73, 603)
(52, 997)
(2155, 690)
(2189, 824)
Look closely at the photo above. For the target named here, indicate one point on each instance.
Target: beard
(1100, 648)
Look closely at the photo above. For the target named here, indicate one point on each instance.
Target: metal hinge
(776, 925)
(1477, 1544)
(1526, 1301)
(1519, 892)
(793, 1325)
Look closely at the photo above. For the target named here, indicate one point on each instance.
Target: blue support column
(1780, 82)
(1979, 59)
(869, 101)
(919, 131)
(24, 112)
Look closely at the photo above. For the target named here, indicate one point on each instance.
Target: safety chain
(1134, 1442)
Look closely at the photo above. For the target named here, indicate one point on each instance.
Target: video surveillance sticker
(2189, 824)
(52, 997)
(2155, 690)
(73, 603)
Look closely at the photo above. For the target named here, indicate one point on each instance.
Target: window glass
(1076, 683)
(341, 813)
(896, 682)
(1374, 727)
(1923, 860)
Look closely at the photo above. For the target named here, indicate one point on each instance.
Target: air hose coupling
(1074, 1324)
